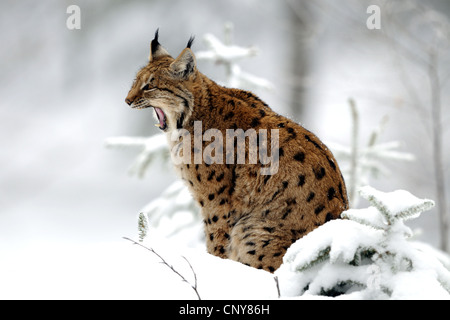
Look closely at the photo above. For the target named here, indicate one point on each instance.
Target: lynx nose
(131, 96)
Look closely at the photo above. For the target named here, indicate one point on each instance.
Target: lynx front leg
(217, 232)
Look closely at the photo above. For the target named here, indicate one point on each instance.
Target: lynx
(249, 216)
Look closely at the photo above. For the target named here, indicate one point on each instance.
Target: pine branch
(387, 204)
(366, 250)
(194, 287)
(142, 226)
(228, 54)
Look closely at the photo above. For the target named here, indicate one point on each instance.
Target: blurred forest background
(62, 94)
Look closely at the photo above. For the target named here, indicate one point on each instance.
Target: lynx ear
(184, 65)
(156, 49)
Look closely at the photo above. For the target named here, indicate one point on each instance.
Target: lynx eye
(146, 87)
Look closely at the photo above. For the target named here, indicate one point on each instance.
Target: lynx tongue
(161, 117)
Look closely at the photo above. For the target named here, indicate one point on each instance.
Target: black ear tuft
(156, 49)
(191, 40)
(155, 42)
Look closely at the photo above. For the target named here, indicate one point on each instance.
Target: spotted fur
(248, 217)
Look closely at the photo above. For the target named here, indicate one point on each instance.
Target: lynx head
(166, 85)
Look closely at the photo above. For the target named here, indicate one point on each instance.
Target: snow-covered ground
(125, 270)
(122, 270)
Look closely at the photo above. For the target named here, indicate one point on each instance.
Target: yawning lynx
(249, 216)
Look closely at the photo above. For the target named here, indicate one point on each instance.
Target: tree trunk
(439, 172)
(299, 65)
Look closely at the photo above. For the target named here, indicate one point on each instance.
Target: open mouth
(161, 118)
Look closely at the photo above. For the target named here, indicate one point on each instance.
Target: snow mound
(367, 255)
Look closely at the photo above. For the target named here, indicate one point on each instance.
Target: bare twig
(194, 287)
(195, 277)
(278, 286)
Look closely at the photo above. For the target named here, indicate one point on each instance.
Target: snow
(224, 53)
(418, 285)
(370, 216)
(312, 267)
(343, 247)
(397, 204)
(368, 255)
(122, 270)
